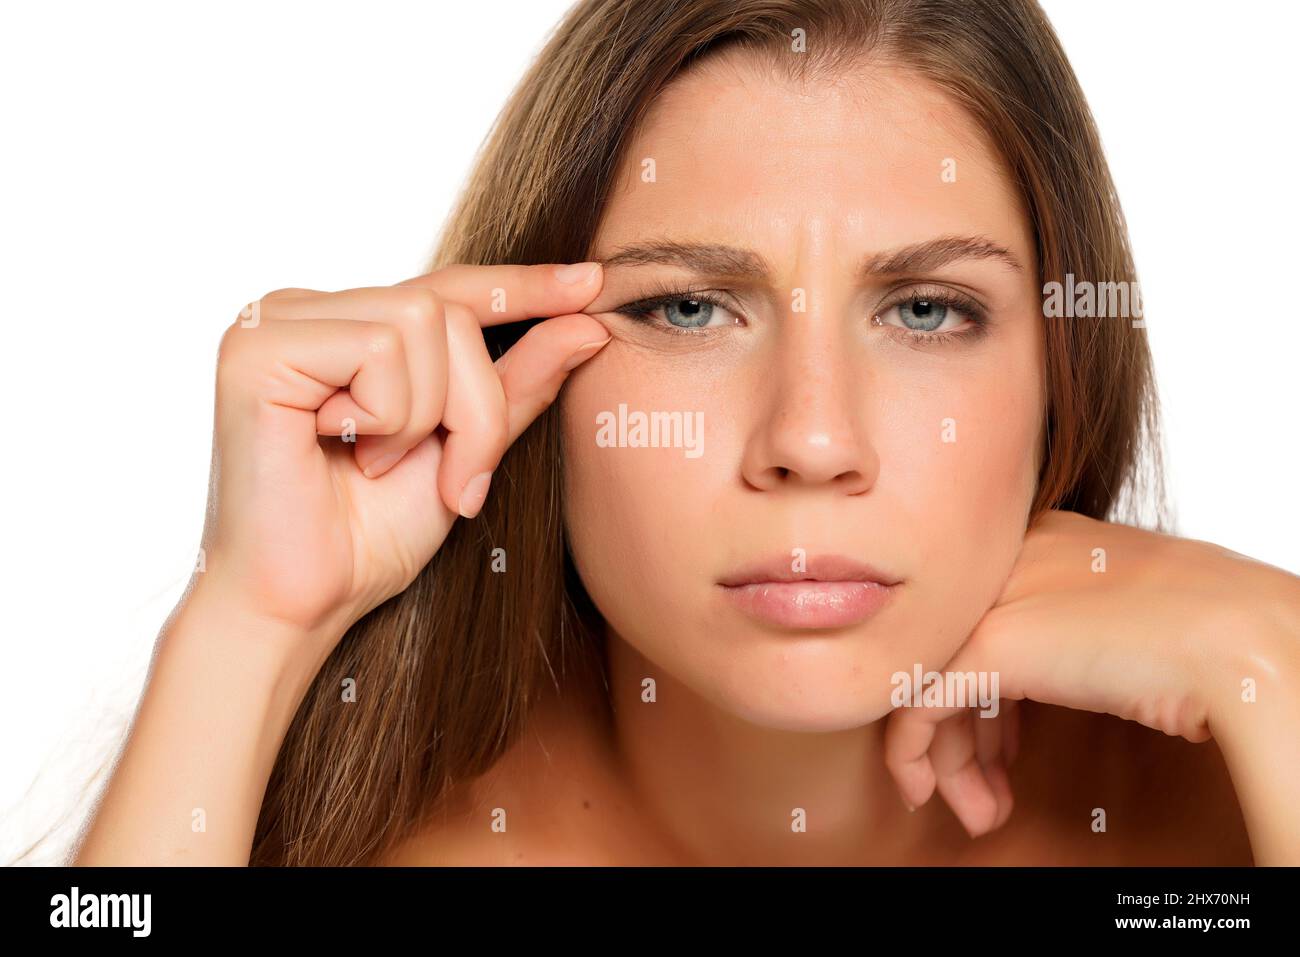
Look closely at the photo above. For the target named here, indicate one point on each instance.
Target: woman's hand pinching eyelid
(490, 405)
(483, 412)
(533, 370)
(339, 413)
(462, 394)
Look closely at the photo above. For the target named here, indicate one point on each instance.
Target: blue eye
(932, 316)
(922, 315)
(691, 313)
(696, 312)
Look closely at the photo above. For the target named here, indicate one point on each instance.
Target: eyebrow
(736, 262)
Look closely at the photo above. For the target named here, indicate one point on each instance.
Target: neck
(723, 791)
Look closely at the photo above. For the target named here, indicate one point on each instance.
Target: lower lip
(810, 604)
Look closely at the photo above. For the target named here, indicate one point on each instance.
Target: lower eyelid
(970, 334)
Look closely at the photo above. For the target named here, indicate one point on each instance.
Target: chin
(806, 682)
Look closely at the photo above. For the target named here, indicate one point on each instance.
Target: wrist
(281, 657)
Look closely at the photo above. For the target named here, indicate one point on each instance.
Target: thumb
(534, 368)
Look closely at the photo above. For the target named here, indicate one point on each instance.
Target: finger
(959, 778)
(534, 368)
(328, 370)
(422, 320)
(988, 737)
(474, 415)
(990, 751)
(507, 293)
(907, 746)
(418, 314)
(909, 741)
(1000, 781)
(910, 733)
(980, 798)
(1010, 730)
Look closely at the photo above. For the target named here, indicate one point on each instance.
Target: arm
(329, 491)
(188, 784)
(1255, 718)
(1167, 637)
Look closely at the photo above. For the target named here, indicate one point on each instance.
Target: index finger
(508, 293)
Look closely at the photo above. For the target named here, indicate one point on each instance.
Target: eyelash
(949, 299)
(642, 310)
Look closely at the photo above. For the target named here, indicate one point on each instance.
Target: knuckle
(461, 319)
(250, 315)
(234, 345)
(383, 339)
(235, 372)
(418, 306)
(895, 762)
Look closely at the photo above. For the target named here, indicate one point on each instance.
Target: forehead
(877, 157)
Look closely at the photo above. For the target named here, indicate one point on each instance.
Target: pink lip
(833, 592)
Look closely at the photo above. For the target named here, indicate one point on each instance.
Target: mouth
(830, 591)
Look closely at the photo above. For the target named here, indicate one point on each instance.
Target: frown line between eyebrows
(720, 260)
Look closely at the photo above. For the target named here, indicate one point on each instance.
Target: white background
(165, 164)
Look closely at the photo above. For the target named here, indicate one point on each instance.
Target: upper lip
(824, 568)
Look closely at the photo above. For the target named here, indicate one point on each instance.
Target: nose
(811, 430)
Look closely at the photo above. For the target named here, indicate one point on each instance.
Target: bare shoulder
(456, 835)
(1093, 789)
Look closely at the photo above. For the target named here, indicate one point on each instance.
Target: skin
(823, 433)
(305, 534)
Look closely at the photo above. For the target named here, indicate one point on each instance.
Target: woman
(663, 577)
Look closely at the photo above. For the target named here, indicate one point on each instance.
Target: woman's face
(909, 444)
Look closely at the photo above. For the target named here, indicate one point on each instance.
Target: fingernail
(473, 494)
(576, 273)
(583, 354)
(379, 464)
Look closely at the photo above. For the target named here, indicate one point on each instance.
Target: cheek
(955, 443)
(633, 512)
(962, 463)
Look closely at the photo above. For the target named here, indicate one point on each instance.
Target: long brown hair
(447, 671)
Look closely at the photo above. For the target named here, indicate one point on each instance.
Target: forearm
(189, 782)
(1255, 718)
